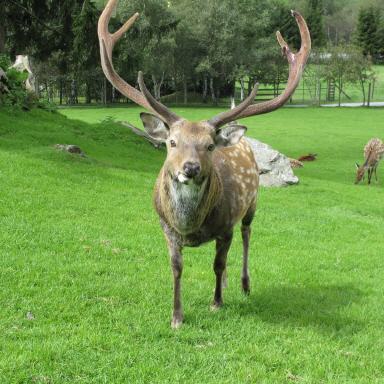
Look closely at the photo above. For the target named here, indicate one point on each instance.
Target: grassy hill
(85, 285)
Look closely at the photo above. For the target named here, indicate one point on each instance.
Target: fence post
(373, 87)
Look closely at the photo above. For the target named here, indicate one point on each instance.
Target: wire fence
(309, 92)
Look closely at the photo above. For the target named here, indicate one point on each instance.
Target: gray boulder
(275, 168)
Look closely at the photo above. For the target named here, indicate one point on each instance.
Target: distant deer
(209, 180)
(373, 153)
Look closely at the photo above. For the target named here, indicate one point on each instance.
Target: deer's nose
(191, 169)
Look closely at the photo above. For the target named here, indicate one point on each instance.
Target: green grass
(82, 250)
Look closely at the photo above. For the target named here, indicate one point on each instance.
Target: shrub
(12, 89)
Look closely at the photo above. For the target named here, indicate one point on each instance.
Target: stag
(209, 180)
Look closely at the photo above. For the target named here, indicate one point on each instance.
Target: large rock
(275, 168)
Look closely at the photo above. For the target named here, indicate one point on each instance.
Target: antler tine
(158, 107)
(296, 65)
(107, 42)
(230, 115)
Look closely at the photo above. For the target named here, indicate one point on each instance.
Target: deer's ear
(154, 126)
(357, 166)
(229, 135)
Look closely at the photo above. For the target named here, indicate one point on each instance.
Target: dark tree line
(188, 48)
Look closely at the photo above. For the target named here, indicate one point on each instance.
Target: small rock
(30, 316)
(70, 148)
(292, 377)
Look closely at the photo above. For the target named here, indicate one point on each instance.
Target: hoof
(176, 323)
(245, 285)
(216, 306)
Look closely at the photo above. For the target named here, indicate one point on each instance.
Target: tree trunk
(185, 87)
(2, 36)
(61, 92)
(205, 89)
(73, 95)
(105, 91)
(212, 89)
(50, 92)
(362, 90)
(340, 89)
(108, 92)
(157, 86)
(37, 87)
(251, 81)
(242, 88)
(88, 98)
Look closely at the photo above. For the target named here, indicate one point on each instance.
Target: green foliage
(85, 52)
(315, 22)
(368, 31)
(13, 92)
(181, 45)
(16, 94)
(82, 252)
(5, 62)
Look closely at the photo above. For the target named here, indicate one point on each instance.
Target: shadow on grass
(323, 307)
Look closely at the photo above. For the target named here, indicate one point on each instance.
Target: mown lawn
(85, 285)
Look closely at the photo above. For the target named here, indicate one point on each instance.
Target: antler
(296, 65)
(228, 116)
(296, 62)
(107, 42)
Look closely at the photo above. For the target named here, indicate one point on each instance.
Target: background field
(85, 285)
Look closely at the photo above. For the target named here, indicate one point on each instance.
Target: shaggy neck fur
(186, 206)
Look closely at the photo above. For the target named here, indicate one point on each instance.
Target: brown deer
(373, 153)
(209, 180)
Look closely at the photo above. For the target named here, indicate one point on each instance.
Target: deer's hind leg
(375, 170)
(246, 234)
(370, 171)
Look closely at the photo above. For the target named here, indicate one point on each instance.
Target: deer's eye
(211, 147)
(173, 143)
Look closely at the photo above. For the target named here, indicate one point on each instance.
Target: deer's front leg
(176, 258)
(222, 246)
(177, 269)
(369, 175)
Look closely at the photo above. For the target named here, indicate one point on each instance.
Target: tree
(85, 53)
(149, 44)
(315, 22)
(368, 28)
(345, 64)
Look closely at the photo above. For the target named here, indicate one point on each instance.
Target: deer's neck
(186, 206)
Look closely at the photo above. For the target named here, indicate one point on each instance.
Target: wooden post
(373, 87)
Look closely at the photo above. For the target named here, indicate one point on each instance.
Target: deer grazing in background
(373, 153)
(209, 180)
